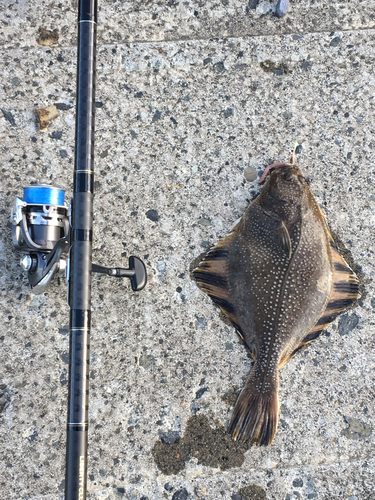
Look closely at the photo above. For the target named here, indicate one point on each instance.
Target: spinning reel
(41, 229)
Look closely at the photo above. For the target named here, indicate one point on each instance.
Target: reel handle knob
(136, 273)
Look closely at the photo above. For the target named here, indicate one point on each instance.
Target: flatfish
(280, 279)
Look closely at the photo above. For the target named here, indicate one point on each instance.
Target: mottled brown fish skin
(274, 276)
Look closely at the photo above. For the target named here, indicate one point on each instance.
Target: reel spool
(40, 228)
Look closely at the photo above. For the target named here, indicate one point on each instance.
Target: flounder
(280, 279)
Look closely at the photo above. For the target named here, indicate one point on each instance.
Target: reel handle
(136, 273)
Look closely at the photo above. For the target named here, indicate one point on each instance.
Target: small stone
(219, 67)
(297, 483)
(312, 495)
(15, 81)
(282, 7)
(200, 323)
(204, 222)
(168, 487)
(3, 402)
(250, 174)
(348, 323)
(287, 115)
(156, 116)
(64, 330)
(65, 357)
(356, 429)
(335, 41)
(152, 215)
(228, 112)
(170, 437)
(373, 300)
(161, 267)
(9, 117)
(200, 392)
(146, 360)
(104, 153)
(63, 106)
(181, 494)
(253, 4)
(236, 496)
(56, 134)
(63, 153)
(306, 65)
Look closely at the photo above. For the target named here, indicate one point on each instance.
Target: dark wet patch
(356, 429)
(275, 68)
(230, 397)
(212, 447)
(252, 492)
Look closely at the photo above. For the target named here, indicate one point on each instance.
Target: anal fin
(211, 276)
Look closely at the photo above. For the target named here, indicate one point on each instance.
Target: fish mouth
(270, 167)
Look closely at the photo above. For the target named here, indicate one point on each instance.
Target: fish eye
(288, 176)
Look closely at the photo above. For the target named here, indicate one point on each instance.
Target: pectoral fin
(283, 236)
(284, 239)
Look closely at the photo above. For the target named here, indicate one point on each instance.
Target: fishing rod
(55, 238)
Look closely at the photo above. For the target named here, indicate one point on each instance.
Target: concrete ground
(193, 100)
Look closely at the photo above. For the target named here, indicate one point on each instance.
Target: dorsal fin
(344, 292)
(211, 276)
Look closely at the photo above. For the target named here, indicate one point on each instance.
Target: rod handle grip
(76, 463)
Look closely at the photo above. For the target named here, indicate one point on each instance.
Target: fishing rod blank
(79, 287)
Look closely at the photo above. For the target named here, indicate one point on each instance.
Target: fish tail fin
(256, 413)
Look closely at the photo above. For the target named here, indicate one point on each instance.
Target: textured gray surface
(181, 116)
